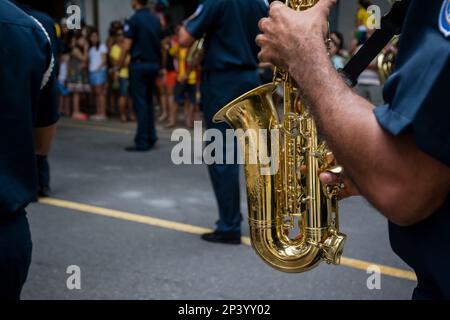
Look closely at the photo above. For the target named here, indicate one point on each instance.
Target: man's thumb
(325, 6)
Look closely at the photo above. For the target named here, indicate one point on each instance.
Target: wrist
(309, 68)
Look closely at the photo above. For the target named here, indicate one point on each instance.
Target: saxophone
(386, 60)
(293, 218)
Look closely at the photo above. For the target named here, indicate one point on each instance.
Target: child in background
(362, 16)
(77, 66)
(122, 77)
(64, 92)
(186, 87)
(169, 80)
(98, 75)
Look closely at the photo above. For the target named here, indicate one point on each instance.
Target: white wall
(110, 10)
(89, 12)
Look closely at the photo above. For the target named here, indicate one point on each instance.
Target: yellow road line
(187, 228)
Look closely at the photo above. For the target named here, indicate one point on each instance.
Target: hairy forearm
(384, 168)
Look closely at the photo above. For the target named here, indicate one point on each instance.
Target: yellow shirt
(363, 17)
(115, 54)
(182, 54)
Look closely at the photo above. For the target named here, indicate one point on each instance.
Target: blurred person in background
(98, 75)
(361, 25)
(338, 55)
(77, 81)
(121, 76)
(369, 84)
(143, 41)
(169, 79)
(229, 69)
(186, 87)
(113, 82)
(336, 49)
(64, 92)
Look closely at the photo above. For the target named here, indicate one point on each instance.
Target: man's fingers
(265, 65)
(275, 9)
(260, 39)
(262, 56)
(276, 4)
(263, 24)
(329, 178)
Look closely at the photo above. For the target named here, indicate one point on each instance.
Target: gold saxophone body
(293, 218)
(386, 60)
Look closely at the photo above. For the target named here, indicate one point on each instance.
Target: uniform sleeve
(129, 29)
(204, 18)
(418, 95)
(47, 110)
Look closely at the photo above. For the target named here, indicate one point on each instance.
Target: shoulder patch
(444, 18)
(126, 27)
(198, 11)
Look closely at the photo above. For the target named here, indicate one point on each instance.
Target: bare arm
(77, 53)
(126, 48)
(402, 182)
(104, 60)
(185, 38)
(43, 138)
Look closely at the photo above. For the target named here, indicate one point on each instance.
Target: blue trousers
(15, 255)
(218, 89)
(142, 87)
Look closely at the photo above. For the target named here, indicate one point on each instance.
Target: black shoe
(152, 144)
(44, 192)
(221, 237)
(137, 149)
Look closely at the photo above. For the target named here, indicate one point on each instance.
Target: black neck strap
(391, 25)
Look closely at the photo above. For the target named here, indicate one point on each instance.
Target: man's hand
(292, 37)
(348, 188)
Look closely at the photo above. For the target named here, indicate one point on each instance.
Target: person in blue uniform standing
(143, 41)
(31, 8)
(230, 68)
(396, 155)
(28, 112)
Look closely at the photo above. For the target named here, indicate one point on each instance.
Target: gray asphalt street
(124, 254)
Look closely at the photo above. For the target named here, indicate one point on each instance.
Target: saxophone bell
(293, 218)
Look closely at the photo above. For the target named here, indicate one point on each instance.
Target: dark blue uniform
(25, 102)
(144, 29)
(418, 98)
(229, 70)
(47, 22)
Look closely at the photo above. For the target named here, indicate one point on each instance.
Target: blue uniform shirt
(25, 57)
(230, 27)
(49, 25)
(144, 28)
(417, 101)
